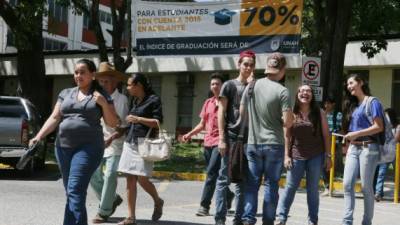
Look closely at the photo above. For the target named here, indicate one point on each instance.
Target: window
(155, 82)
(86, 21)
(10, 38)
(58, 12)
(185, 84)
(396, 92)
(49, 44)
(105, 17)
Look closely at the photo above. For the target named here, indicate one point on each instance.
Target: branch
(94, 19)
(81, 5)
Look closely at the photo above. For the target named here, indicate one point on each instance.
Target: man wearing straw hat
(104, 180)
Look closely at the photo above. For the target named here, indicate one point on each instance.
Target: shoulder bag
(155, 149)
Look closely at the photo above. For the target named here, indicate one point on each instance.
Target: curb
(337, 185)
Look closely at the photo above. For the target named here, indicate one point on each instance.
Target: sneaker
(202, 211)
(378, 198)
(237, 222)
(229, 199)
(99, 219)
(280, 223)
(158, 210)
(219, 222)
(118, 200)
(325, 192)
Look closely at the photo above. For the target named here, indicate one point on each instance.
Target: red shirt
(209, 115)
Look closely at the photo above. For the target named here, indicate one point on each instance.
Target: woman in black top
(145, 113)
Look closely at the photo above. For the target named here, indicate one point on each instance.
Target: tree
(121, 18)
(328, 25)
(24, 20)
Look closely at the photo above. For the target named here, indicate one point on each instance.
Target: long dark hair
(351, 102)
(392, 117)
(315, 112)
(142, 79)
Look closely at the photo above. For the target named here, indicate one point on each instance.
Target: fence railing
(396, 169)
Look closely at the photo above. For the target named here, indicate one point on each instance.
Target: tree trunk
(32, 74)
(95, 20)
(338, 49)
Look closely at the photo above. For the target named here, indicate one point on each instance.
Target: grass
(184, 158)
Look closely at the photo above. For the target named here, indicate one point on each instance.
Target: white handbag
(155, 149)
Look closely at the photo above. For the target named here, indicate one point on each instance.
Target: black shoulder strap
(245, 116)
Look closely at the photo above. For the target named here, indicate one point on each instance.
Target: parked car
(19, 122)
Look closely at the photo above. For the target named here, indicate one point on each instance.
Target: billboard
(216, 28)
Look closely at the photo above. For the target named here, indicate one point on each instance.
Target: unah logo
(275, 44)
(223, 16)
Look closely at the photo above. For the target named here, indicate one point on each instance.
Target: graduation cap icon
(223, 16)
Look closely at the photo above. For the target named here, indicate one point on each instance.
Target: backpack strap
(368, 108)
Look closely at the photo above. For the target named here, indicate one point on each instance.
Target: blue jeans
(312, 167)
(222, 189)
(77, 166)
(360, 161)
(380, 178)
(263, 160)
(104, 183)
(213, 162)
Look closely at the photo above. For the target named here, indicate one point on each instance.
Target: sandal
(128, 221)
(158, 210)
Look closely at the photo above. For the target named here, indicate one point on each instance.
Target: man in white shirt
(104, 180)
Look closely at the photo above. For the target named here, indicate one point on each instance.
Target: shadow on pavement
(115, 220)
(42, 175)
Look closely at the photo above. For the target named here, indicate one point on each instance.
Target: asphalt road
(39, 200)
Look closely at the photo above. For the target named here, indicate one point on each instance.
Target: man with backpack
(229, 127)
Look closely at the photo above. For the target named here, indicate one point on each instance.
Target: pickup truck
(19, 122)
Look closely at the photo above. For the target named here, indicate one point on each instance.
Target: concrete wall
(380, 82)
(201, 89)
(169, 101)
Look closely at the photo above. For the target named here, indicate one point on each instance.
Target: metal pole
(332, 172)
(397, 174)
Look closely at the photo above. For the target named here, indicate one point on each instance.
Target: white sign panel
(209, 28)
(311, 72)
(318, 92)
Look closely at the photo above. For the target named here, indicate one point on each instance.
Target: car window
(12, 108)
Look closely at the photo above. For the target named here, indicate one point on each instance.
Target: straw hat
(106, 69)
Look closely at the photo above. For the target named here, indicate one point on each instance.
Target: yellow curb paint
(201, 177)
(4, 166)
(179, 176)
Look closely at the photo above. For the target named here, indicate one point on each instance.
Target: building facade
(182, 82)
